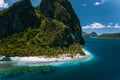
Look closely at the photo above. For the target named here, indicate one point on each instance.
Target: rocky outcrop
(17, 18)
(62, 10)
(6, 59)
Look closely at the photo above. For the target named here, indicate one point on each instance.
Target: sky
(101, 16)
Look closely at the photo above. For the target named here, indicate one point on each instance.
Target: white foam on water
(42, 61)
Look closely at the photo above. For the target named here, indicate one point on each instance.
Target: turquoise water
(105, 65)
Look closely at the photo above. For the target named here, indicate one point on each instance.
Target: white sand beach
(65, 57)
(59, 58)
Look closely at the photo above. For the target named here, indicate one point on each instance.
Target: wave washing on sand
(65, 57)
(43, 60)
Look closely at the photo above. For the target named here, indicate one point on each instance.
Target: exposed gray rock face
(17, 18)
(62, 10)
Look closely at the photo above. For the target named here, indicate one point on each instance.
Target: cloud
(116, 26)
(99, 2)
(3, 4)
(95, 25)
(111, 25)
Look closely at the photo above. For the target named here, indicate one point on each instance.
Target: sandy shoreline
(48, 59)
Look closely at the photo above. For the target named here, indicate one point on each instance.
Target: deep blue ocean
(105, 65)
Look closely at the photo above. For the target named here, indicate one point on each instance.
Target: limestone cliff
(17, 18)
(62, 10)
(50, 29)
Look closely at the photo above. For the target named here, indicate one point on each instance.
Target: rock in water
(62, 10)
(6, 59)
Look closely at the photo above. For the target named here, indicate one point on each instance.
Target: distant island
(92, 34)
(110, 35)
(105, 35)
(50, 29)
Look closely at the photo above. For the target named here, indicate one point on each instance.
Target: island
(110, 35)
(46, 32)
(89, 35)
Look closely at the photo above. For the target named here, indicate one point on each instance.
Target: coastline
(60, 58)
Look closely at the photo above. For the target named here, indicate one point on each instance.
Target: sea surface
(104, 65)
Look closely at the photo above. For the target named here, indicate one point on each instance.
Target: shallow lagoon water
(104, 65)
